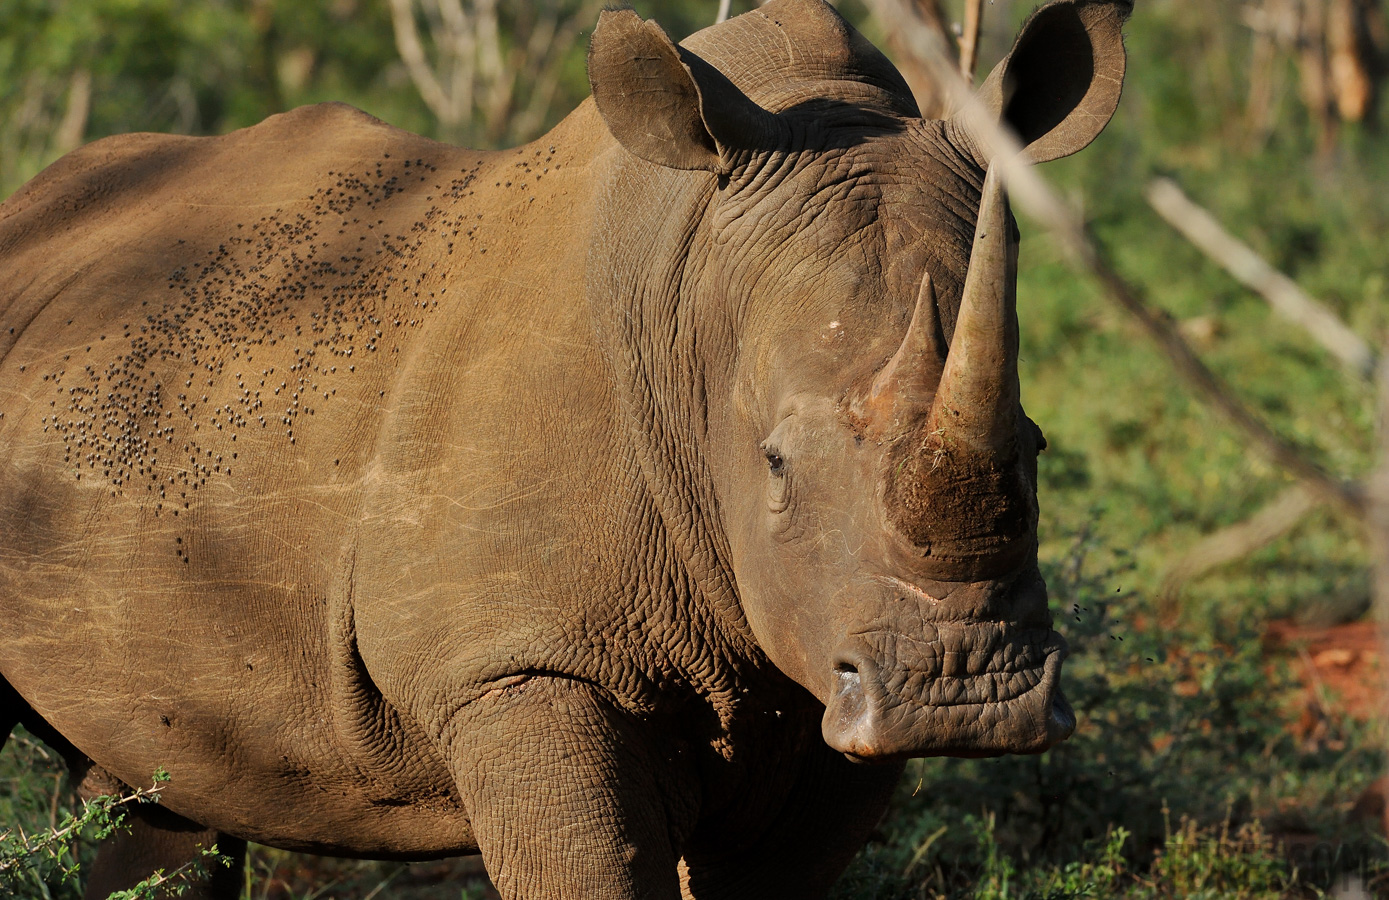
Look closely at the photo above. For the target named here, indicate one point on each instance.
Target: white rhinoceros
(602, 505)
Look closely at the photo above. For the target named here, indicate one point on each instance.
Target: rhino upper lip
(957, 663)
(992, 685)
(951, 661)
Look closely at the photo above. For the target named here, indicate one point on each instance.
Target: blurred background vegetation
(1218, 736)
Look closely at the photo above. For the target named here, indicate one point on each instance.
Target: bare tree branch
(483, 66)
(1237, 541)
(1200, 228)
(70, 130)
(549, 39)
(1350, 68)
(497, 79)
(1377, 524)
(969, 38)
(1347, 495)
(1316, 80)
(1266, 21)
(407, 41)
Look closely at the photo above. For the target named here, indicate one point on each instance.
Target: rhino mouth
(948, 689)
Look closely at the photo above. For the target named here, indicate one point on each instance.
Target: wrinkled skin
(604, 506)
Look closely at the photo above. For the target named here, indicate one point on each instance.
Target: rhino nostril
(849, 721)
(848, 689)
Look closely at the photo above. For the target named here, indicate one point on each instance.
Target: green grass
(1194, 863)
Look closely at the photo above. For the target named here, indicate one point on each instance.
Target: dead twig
(479, 64)
(68, 135)
(1377, 524)
(1237, 541)
(411, 49)
(1347, 495)
(969, 38)
(1287, 299)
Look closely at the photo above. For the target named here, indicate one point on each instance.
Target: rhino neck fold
(658, 344)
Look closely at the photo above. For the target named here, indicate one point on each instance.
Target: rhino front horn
(976, 403)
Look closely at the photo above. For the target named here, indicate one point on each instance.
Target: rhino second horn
(976, 403)
(905, 385)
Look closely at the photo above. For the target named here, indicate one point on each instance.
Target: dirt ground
(1342, 674)
(1340, 669)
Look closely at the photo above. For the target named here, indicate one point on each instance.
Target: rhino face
(880, 499)
(873, 470)
(909, 661)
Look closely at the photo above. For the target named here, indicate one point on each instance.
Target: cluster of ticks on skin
(296, 281)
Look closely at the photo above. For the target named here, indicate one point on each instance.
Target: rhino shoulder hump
(316, 118)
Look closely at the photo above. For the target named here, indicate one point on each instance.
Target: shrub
(45, 862)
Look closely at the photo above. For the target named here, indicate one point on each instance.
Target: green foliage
(191, 68)
(1134, 456)
(1195, 863)
(45, 861)
(34, 800)
(1201, 864)
(72, 71)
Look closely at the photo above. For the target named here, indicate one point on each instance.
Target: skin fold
(604, 505)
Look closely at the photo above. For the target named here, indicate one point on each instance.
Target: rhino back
(282, 415)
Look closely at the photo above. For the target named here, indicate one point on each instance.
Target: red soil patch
(1340, 669)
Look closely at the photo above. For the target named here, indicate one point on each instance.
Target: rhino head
(838, 332)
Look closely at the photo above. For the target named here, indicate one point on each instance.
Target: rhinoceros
(627, 506)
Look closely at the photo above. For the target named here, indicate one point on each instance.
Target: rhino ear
(665, 104)
(1059, 86)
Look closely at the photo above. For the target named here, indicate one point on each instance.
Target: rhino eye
(779, 486)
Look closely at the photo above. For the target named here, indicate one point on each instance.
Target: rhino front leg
(157, 840)
(566, 796)
(832, 808)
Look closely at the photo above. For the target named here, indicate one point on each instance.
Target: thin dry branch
(1347, 495)
(482, 76)
(411, 49)
(1287, 299)
(1038, 199)
(969, 38)
(1377, 525)
(68, 135)
(1237, 541)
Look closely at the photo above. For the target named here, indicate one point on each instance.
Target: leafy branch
(52, 854)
